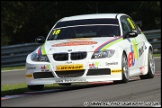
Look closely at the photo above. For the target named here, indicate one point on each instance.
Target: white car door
(135, 47)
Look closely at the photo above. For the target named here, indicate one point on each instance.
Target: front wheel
(151, 67)
(125, 70)
(35, 87)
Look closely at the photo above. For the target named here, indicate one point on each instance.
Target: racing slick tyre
(35, 87)
(125, 70)
(65, 84)
(151, 67)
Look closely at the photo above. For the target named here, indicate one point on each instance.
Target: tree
(23, 21)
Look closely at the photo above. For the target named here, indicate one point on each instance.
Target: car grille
(73, 56)
(60, 57)
(43, 75)
(71, 73)
(98, 72)
(78, 55)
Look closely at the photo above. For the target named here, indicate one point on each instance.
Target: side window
(137, 27)
(125, 26)
(133, 26)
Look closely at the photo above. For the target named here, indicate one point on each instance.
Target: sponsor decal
(69, 67)
(134, 54)
(141, 50)
(31, 68)
(70, 80)
(113, 63)
(29, 75)
(114, 71)
(45, 68)
(109, 43)
(94, 65)
(74, 43)
(131, 59)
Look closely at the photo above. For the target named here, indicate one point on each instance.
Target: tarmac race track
(136, 92)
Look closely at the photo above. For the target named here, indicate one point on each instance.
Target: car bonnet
(80, 44)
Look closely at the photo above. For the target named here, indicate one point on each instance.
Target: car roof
(92, 16)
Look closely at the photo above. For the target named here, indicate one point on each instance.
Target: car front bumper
(39, 73)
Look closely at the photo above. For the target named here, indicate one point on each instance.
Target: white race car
(90, 48)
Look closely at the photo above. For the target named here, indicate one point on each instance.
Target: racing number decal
(56, 32)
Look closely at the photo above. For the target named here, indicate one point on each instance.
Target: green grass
(157, 55)
(9, 89)
(20, 88)
(11, 68)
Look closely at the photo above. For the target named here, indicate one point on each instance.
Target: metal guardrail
(15, 55)
(154, 37)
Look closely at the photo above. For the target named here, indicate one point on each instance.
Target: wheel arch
(125, 53)
(150, 71)
(146, 53)
(124, 78)
(146, 58)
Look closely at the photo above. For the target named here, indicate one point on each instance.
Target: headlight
(103, 54)
(39, 57)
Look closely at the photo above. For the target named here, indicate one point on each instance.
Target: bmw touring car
(90, 48)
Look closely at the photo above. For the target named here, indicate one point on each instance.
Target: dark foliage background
(23, 21)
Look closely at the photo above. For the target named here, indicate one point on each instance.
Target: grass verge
(12, 68)
(20, 88)
(157, 55)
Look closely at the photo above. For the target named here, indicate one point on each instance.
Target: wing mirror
(40, 39)
(131, 35)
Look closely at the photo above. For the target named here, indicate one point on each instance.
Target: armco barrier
(15, 55)
(154, 37)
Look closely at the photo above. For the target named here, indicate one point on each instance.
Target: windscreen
(85, 29)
